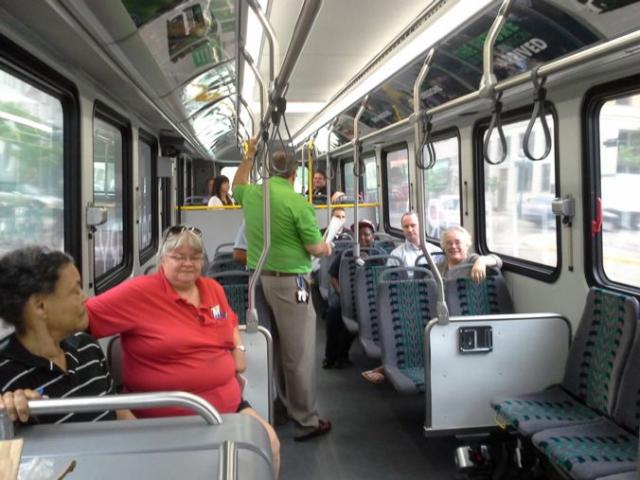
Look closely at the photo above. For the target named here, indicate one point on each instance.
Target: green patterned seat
(405, 304)
(466, 297)
(236, 288)
(367, 277)
(589, 451)
(593, 372)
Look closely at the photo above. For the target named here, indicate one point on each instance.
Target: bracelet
(240, 347)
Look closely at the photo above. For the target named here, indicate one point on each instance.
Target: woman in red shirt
(177, 330)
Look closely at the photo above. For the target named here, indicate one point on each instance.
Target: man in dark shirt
(48, 355)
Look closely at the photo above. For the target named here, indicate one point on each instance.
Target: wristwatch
(240, 347)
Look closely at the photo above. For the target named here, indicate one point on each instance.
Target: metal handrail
(329, 171)
(488, 80)
(419, 141)
(357, 151)
(228, 464)
(115, 402)
(441, 306)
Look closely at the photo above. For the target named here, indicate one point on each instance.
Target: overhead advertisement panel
(535, 32)
(186, 37)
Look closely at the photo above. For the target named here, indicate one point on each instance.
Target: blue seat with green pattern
(366, 287)
(236, 288)
(466, 297)
(406, 302)
(606, 447)
(592, 374)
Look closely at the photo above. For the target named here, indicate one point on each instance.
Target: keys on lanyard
(302, 293)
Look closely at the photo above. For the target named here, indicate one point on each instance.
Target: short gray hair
(457, 228)
(284, 163)
(188, 237)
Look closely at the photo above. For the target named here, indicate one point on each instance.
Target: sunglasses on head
(178, 229)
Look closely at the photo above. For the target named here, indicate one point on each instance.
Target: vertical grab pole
(310, 169)
(357, 150)
(441, 306)
(329, 174)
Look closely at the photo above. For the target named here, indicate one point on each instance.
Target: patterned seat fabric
(589, 451)
(347, 282)
(593, 372)
(236, 288)
(605, 447)
(367, 277)
(466, 297)
(405, 304)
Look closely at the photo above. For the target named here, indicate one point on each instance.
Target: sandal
(324, 427)
(374, 376)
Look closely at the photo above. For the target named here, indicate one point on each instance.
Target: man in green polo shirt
(285, 280)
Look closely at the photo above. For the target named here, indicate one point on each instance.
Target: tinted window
(31, 166)
(442, 188)
(397, 168)
(108, 193)
(517, 198)
(619, 125)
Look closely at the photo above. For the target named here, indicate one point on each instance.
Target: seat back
(406, 302)
(466, 297)
(347, 280)
(114, 360)
(223, 264)
(600, 348)
(627, 409)
(324, 284)
(236, 288)
(366, 288)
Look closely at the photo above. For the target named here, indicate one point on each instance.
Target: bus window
(619, 128)
(31, 166)
(369, 181)
(147, 231)
(396, 164)
(370, 185)
(230, 173)
(109, 192)
(442, 188)
(517, 198)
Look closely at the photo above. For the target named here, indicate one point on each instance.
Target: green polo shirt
(293, 225)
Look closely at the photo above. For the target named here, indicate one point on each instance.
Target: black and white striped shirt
(87, 375)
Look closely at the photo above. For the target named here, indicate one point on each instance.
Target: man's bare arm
(320, 249)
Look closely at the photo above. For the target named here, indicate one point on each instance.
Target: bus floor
(377, 433)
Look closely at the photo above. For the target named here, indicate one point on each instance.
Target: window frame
(385, 185)
(120, 272)
(446, 134)
(520, 266)
(29, 69)
(346, 164)
(147, 253)
(594, 100)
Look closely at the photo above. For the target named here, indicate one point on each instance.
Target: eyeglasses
(185, 258)
(178, 229)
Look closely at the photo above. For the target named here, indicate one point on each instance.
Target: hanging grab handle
(496, 123)
(539, 99)
(426, 162)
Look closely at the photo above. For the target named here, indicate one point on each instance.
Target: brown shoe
(324, 427)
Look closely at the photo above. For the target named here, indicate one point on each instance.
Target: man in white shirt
(410, 250)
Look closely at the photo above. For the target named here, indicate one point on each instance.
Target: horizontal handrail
(127, 401)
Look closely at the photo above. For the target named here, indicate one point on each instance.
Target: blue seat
(324, 284)
(236, 288)
(592, 374)
(406, 302)
(466, 297)
(347, 282)
(367, 276)
(608, 446)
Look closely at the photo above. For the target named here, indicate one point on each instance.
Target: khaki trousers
(294, 341)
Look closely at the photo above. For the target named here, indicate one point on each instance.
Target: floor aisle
(377, 433)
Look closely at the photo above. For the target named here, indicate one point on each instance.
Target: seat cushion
(633, 475)
(589, 451)
(542, 410)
